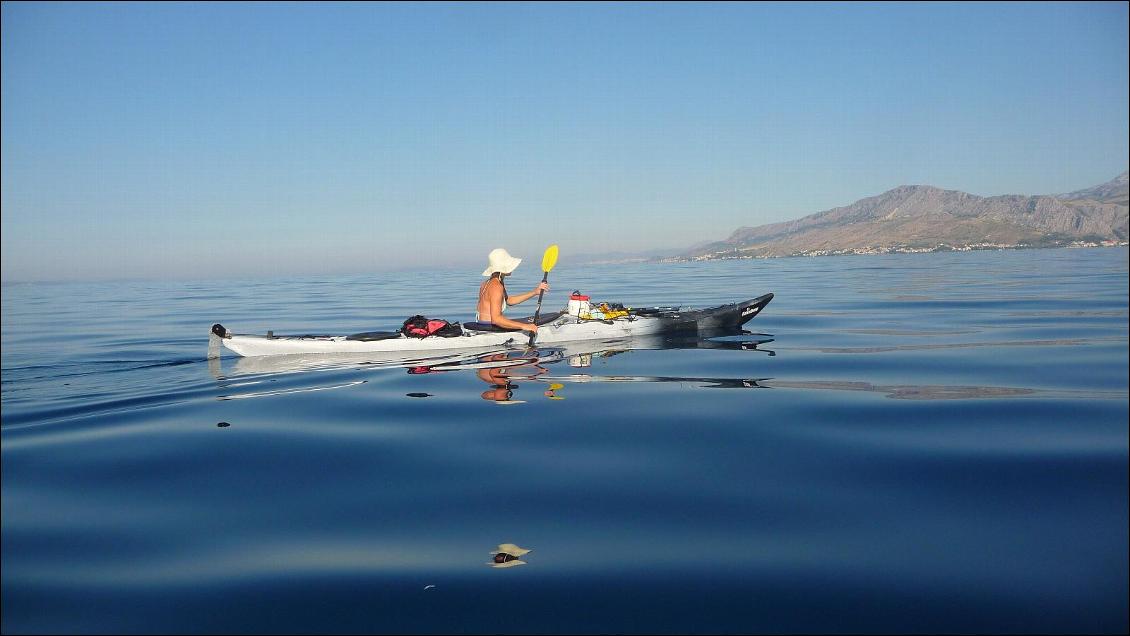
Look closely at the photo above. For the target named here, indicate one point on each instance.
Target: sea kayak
(559, 327)
(578, 354)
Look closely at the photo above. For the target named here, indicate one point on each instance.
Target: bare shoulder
(493, 287)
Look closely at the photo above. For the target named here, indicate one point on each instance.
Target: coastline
(736, 255)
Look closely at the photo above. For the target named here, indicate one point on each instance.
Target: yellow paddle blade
(549, 259)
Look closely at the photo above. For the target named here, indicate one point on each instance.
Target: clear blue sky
(194, 140)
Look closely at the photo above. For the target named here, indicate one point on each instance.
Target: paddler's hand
(542, 287)
(531, 328)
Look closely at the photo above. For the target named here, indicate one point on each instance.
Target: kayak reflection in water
(493, 297)
(501, 378)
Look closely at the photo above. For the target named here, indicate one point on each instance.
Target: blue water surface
(905, 443)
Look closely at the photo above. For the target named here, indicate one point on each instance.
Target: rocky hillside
(917, 218)
(1113, 191)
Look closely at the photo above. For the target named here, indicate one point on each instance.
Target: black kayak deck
(374, 335)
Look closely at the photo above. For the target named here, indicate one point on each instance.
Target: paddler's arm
(494, 298)
(521, 298)
(505, 322)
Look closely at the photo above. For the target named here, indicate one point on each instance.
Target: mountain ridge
(928, 218)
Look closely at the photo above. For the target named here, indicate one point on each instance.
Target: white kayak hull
(579, 353)
(249, 345)
(565, 328)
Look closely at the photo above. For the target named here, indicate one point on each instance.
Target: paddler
(493, 298)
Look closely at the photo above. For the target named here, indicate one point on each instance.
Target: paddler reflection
(502, 378)
(507, 555)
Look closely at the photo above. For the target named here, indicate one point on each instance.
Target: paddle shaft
(537, 312)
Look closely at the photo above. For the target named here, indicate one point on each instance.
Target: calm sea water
(907, 443)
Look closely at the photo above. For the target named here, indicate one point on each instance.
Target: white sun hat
(501, 261)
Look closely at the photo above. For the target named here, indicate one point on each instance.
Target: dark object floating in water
(223, 424)
(418, 394)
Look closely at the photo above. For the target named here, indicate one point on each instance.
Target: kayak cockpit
(543, 319)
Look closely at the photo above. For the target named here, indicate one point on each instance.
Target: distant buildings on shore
(895, 249)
